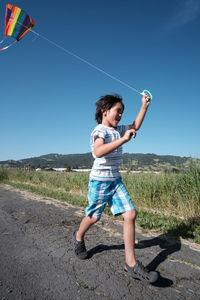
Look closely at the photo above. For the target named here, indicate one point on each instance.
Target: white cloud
(186, 12)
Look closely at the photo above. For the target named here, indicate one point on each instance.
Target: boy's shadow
(164, 241)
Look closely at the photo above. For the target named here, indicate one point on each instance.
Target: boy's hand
(146, 100)
(128, 134)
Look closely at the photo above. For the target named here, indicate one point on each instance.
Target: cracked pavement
(37, 260)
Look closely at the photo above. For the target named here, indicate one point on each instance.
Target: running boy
(105, 185)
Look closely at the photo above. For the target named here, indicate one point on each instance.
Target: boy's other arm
(140, 117)
(101, 149)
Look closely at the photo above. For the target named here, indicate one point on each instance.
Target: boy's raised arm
(140, 117)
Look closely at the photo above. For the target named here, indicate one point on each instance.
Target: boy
(105, 185)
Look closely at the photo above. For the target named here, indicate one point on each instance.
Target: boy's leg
(129, 237)
(86, 223)
(134, 268)
(97, 203)
(79, 244)
(122, 204)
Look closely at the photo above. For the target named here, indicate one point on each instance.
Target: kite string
(86, 62)
(83, 60)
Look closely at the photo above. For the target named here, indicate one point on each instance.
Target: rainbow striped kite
(17, 23)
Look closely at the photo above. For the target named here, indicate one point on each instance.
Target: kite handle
(146, 92)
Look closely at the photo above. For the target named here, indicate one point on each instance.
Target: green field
(166, 202)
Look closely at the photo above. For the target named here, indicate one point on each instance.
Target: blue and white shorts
(112, 192)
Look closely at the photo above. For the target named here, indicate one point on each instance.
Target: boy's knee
(130, 215)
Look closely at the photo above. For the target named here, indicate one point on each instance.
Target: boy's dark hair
(105, 103)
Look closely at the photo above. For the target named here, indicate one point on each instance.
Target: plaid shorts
(112, 192)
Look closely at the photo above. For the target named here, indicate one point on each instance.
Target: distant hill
(135, 161)
(55, 161)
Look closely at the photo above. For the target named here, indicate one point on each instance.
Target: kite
(17, 23)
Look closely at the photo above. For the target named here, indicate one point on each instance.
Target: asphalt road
(37, 260)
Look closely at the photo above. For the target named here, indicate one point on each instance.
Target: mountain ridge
(131, 161)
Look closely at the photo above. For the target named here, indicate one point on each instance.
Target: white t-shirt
(106, 168)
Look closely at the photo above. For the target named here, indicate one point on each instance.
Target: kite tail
(4, 48)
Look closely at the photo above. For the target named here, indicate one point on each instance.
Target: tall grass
(177, 194)
(167, 193)
(158, 197)
(72, 183)
(3, 174)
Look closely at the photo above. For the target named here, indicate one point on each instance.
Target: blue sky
(48, 97)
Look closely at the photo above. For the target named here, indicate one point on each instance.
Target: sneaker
(79, 247)
(141, 273)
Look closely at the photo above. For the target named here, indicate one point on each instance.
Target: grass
(166, 202)
(172, 194)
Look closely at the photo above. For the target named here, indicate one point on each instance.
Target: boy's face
(112, 117)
